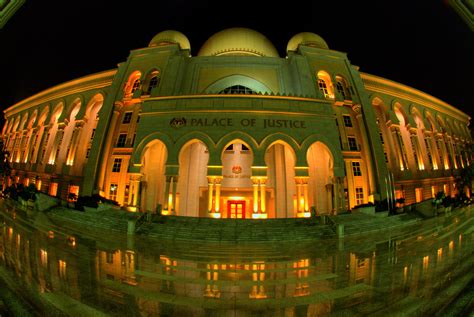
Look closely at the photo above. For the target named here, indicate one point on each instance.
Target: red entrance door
(236, 209)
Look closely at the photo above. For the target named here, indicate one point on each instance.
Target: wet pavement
(416, 269)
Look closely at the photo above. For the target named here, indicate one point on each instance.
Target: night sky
(423, 44)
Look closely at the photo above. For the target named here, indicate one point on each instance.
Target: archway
(321, 175)
(280, 160)
(236, 197)
(192, 180)
(153, 171)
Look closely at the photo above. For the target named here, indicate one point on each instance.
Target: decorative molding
(385, 86)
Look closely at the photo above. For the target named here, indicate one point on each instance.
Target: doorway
(236, 209)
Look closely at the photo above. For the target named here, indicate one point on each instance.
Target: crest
(178, 122)
(236, 169)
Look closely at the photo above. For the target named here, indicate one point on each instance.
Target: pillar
(108, 145)
(218, 194)
(74, 143)
(255, 194)
(263, 206)
(210, 189)
(134, 190)
(173, 194)
(166, 201)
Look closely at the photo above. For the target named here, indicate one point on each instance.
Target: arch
(32, 120)
(325, 84)
(240, 136)
(152, 80)
(321, 177)
(141, 147)
(342, 86)
(193, 160)
(279, 137)
(43, 116)
(56, 114)
(194, 135)
(431, 121)
(237, 79)
(441, 123)
(93, 107)
(15, 125)
(400, 113)
(338, 160)
(133, 83)
(153, 162)
(23, 121)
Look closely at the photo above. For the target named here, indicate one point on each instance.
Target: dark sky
(423, 44)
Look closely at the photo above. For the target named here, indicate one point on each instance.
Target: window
(347, 121)
(356, 169)
(117, 165)
(135, 85)
(244, 148)
(53, 189)
(323, 87)
(153, 83)
(113, 191)
(381, 138)
(238, 89)
(342, 90)
(418, 194)
(359, 195)
(230, 148)
(127, 117)
(73, 193)
(121, 140)
(352, 143)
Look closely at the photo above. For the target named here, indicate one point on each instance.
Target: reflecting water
(376, 274)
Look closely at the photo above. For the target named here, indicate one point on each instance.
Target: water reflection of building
(127, 281)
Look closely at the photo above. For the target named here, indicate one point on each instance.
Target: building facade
(237, 132)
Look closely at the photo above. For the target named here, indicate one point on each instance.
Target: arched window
(152, 81)
(325, 85)
(237, 89)
(133, 83)
(342, 88)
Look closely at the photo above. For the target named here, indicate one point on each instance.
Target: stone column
(74, 142)
(135, 187)
(108, 144)
(299, 205)
(55, 149)
(29, 149)
(210, 186)
(255, 194)
(166, 202)
(39, 152)
(263, 206)
(305, 194)
(218, 194)
(174, 181)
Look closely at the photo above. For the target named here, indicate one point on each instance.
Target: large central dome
(238, 41)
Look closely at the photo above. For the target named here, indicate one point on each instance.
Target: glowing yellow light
(71, 241)
(51, 234)
(215, 215)
(426, 260)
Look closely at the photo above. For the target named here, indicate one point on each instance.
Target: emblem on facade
(236, 169)
(178, 122)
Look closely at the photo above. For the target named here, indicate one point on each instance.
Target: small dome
(170, 37)
(238, 41)
(308, 39)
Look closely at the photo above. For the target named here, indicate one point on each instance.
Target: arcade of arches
(237, 188)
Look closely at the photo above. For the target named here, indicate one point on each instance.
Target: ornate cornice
(385, 86)
(94, 81)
